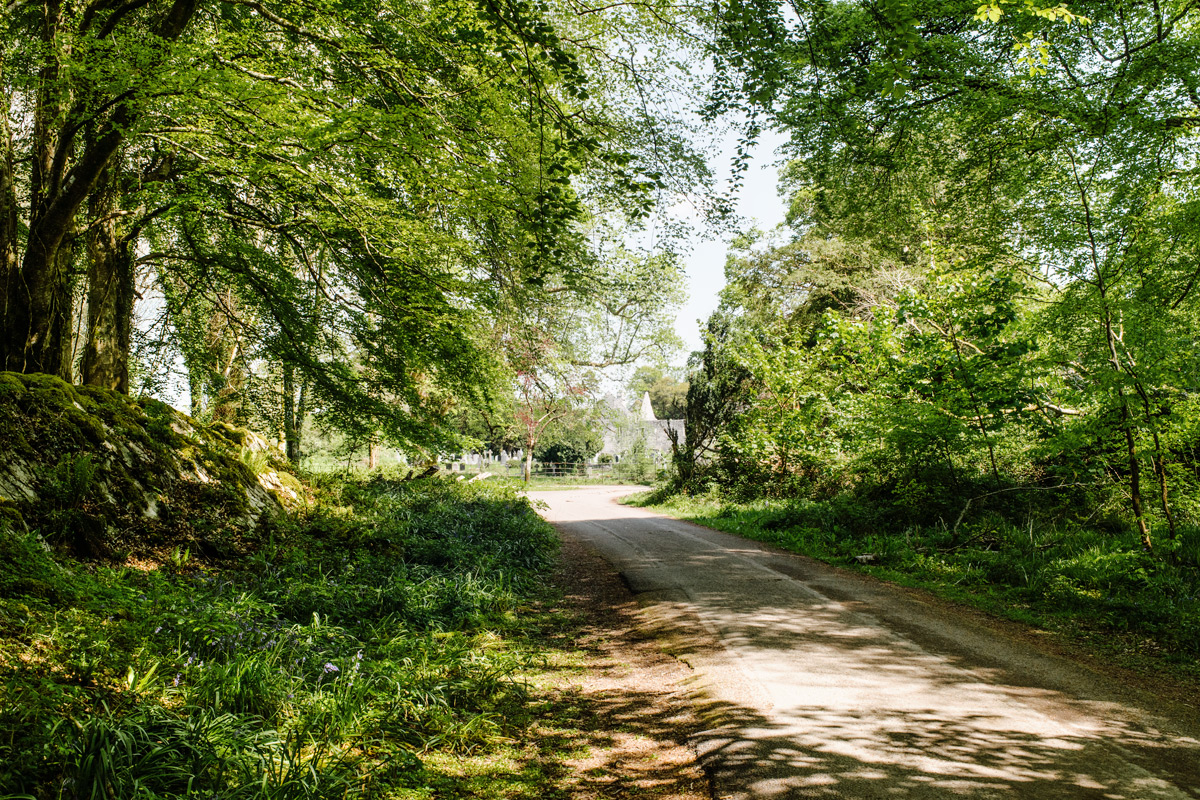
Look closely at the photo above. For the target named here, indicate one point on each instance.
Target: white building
(624, 429)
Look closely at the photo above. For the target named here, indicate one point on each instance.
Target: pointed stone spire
(647, 409)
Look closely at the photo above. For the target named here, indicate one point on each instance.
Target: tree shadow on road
(618, 724)
(879, 717)
(876, 715)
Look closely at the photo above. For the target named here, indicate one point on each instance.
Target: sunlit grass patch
(379, 635)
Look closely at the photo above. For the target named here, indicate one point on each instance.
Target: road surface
(819, 683)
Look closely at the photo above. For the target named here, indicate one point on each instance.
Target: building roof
(647, 411)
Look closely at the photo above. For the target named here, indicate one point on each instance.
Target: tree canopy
(332, 206)
(990, 259)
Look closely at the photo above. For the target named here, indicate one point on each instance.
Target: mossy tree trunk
(195, 392)
(110, 292)
(9, 228)
(225, 350)
(293, 413)
(39, 301)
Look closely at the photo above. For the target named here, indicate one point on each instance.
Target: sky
(758, 203)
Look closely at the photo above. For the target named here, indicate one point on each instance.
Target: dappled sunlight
(874, 746)
(805, 695)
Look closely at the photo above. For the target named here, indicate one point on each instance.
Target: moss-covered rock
(101, 474)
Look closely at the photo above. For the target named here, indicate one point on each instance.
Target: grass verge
(1099, 590)
(389, 642)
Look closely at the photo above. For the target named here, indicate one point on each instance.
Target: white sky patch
(758, 203)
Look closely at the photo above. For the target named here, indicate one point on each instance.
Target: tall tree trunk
(289, 413)
(195, 391)
(301, 416)
(226, 362)
(1161, 473)
(9, 228)
(1135, 468)
(226, 406)
(293, 414)
(1160, 470)
(37, 320)
(1135, 473)
(38, 301)
(110, 293)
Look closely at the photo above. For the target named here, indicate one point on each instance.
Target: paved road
(818, 683)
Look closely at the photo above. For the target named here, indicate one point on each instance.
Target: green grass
(388, 643)
(1098, 587)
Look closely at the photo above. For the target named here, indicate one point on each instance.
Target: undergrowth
(1093, 582)
(378, 631)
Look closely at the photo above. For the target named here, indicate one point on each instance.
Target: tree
(545, 396)
(718, 391)
(668, 395)
(1063, 154)
(572, 439)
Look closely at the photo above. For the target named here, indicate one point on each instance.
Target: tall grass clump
(379, 627)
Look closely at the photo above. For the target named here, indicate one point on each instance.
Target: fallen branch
(963, 513)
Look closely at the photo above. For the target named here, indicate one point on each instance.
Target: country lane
(815, 682)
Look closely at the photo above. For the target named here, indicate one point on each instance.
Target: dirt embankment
(102, 475)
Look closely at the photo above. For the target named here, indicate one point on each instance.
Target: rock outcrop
(105, 475)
